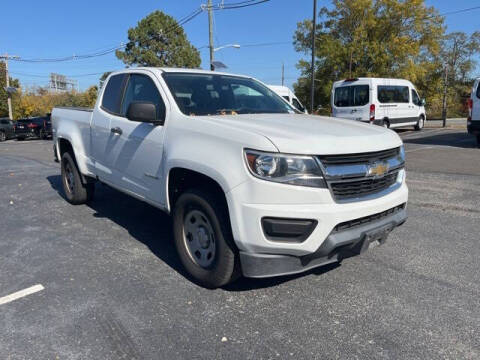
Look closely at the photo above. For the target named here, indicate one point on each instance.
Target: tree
(3, 93)
(377, 38)
(457, 58)
(158, 40)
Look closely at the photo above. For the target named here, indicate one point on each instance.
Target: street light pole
(210, 33)
(312, 86)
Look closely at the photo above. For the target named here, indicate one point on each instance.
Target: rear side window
(112, 96)
(393, 94)
(142, 88)
(3, 121)
(356, 95)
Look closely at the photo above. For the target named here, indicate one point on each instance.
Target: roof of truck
(177, 70)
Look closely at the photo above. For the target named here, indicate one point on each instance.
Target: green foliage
(39, 102)
(372, 38)
(158, 40)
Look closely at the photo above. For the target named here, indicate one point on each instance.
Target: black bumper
(473, 127)
(25, 133)
(338, 246)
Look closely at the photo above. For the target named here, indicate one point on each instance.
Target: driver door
(135, 149)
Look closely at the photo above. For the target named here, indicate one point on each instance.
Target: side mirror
(422, 102)
(143, 111)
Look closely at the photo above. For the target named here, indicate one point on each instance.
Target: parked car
(253, 187)
(473, 121)
(391, 103)
(40, 127)
(290, 96)
(7, 130)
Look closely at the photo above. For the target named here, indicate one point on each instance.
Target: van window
(297, 104)
(142, 88)
(356, 95)
(112, 97)
(415, 98)
(393, 94)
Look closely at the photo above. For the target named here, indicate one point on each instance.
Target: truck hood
(314, 135)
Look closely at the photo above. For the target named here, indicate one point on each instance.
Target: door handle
(116, 131)
(354, 110)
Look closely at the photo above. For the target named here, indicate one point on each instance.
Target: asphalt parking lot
(114, 289)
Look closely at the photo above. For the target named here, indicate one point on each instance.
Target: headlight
(285, 169)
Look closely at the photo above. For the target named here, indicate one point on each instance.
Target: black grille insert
(367, 219)
(352, 189)
(359, 158)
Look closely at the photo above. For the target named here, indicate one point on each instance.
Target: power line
(460, 11)
(110, 50)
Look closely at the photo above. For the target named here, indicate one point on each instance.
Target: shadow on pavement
(152, 227)
(454, 139)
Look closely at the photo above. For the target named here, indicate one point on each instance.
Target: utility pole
(312, 86)
(6, 57)
(210, 32)
(283, 73)
(444, 102)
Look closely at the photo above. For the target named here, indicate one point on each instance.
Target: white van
(473, 122)
(288, 95)
(391, 103)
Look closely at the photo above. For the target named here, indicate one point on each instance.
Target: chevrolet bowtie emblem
(377, 169)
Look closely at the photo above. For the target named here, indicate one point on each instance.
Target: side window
(393, 94)
(112, 96)
(142, 88)
(297, 104)
(3, 121)
(415, 98)
(478, 90)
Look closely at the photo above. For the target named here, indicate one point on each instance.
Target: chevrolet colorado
(253, 186)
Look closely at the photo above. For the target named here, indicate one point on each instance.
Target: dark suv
(7, 130)
(40, 127)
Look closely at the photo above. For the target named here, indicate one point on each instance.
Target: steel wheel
(69, 178)
(199, 238)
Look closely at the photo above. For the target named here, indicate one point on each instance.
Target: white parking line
(22, 293)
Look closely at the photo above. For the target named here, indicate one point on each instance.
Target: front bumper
(337, 246)
(473, 127)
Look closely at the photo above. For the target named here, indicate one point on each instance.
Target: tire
(386, 123)
(3, 136)
(75, 191)
(478, 141)
(420, 123)
(41, 135)
(20, 138)
(197, 237)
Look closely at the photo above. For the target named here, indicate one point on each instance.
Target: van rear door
(351, 100)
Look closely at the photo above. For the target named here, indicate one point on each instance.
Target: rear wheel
(3, 136)
(420, 123)
(478, 141)
(203, 238)
(386, 124)
(75, 191)
(20, 138)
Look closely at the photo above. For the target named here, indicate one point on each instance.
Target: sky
(54, 28)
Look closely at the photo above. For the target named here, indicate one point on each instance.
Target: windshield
(210, 94)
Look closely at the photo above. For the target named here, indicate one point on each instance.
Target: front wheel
(75, 191)
(3, 136)
(203, 238)
(420, 123)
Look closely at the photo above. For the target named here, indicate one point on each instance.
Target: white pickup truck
(253, 186)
